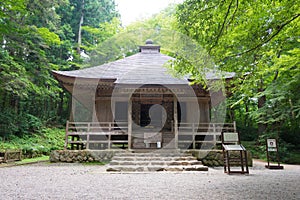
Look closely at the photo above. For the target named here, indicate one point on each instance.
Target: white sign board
(231, 137)
(271, 144)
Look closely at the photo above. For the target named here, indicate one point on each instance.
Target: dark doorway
(145, 118)
(151, 114)
(181, 112)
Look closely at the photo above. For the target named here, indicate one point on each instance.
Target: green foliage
(37, 144)
(247, 133)
(259, 41)
(287, 152)
(38, 36)
(42, 158)
(13, 123)
(49, 37)
(285, 149)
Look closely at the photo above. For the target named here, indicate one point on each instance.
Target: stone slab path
(77, 181)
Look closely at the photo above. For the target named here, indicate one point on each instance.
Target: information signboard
(271, 144)
(272, 147)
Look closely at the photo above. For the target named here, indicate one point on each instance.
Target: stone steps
(155, 161)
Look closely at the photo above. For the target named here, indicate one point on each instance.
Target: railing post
(109, 140)
(234, 126)
(215, 137)
(194, 140)
(193, 128)
(88, 136)
(5, 156)
(67, 133)
(129, 119)
(175, 123)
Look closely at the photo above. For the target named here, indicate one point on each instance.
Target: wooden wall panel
(104, 111)
(204, 111)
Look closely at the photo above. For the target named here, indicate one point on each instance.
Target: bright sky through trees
(132, 10)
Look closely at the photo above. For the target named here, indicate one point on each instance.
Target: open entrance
(152, 115)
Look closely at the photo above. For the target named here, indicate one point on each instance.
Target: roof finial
(149, 41)
(150, 47)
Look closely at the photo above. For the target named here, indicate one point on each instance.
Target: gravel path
(75, 181)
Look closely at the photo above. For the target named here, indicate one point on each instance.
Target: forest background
(258, 40)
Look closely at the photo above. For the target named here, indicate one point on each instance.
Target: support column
(175, 124)
(129, 123)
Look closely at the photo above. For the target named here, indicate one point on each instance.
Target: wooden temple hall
(137, 104)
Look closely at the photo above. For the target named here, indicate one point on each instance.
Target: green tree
(35, 38)
(259, 41)
(89, 14)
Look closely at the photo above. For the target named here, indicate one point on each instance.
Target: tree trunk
(247, 121)
(79, 40)
(231, 114)
(60, 105)
(261, 102)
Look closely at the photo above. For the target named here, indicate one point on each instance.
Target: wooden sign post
(272, 146)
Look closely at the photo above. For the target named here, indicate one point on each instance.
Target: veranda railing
(202, 135)
(107, 135)
(96, 135)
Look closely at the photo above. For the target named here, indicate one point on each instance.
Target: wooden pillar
(175, 124)
(129, 123)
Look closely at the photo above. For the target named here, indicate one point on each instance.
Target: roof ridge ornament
(149, 47)
(149, 41)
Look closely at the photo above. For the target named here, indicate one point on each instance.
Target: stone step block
(125, 169)
(150, 155)
(185, 163)
(156, 168)
(155, 162)
(144, 158)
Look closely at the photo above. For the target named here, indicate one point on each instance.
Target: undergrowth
(287, 154)
(37, 144)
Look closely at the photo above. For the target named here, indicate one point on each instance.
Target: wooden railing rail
(84, 135)
(202, 135)
(209, 127)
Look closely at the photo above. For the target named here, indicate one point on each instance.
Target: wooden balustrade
(107, 135)
(96, 135)
(202, 135)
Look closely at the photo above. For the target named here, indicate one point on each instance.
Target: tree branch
(236, 8)
(279, 28)
(222, 27)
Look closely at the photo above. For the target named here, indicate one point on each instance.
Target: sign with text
(271, 144)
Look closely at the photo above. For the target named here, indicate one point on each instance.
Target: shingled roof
(146, 67)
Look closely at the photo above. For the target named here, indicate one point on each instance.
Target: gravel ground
(76, 181)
